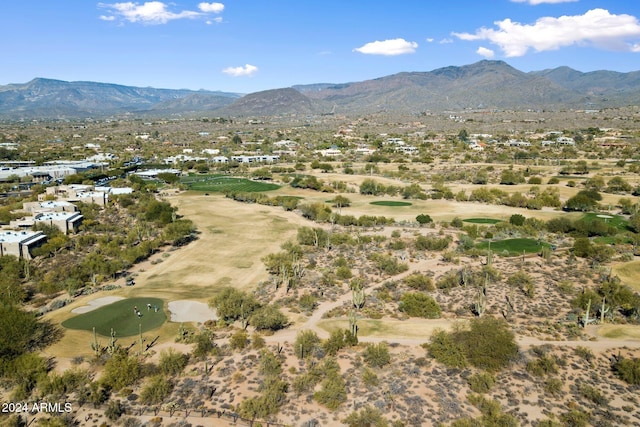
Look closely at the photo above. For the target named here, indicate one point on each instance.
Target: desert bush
(481, 382)
(419, 282)
(367, 417)
(114, 410)
(419, 304)
(335, 342)
(239, 340)
(553, 386)
(377, 355)
(121, 370)
(269, 317)
(542, 366)
(575, 418)
(593, 394)
(487, 344)
(333, 392)
(307, 302)
(628, 370)
(445, 350)
(172, 362)
(156, 390)
(492, 413)
(305, 343)
(270, 364)
(432, 243)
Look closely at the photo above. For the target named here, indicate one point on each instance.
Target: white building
(20, 243)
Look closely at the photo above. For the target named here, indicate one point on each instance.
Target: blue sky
(252, 45)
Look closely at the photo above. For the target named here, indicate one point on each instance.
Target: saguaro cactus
(481, 301)
(95, 345)
(358, 296)
(111, 347)
(603, 310)
(586, 319)
(353, 323)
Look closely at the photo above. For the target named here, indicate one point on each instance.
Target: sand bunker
(191, 311)
(96, 303)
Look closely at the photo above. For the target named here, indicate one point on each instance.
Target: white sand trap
(191, 311)
(604, 216)
(98, 302)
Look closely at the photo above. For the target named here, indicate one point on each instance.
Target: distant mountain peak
(488, 83)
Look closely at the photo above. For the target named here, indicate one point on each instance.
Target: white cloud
(486, 53)
(430, 40)
(216, 20)
(211, 7)
(154, 12)
(247, 70)
(597, 28)
(445, 41)
(537, 2)
(388, 47)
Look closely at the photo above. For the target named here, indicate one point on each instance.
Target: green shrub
(628, 370)
(305, 343)
(239, 340)
(575, 418)
(333, 392)
(156, 390)
(377, 355)
(269, 317)
(553, 386)
(419, 282)
(367, 417)
(172, 362)
(542, 366)
(445, 350)
(418, 304)
(593, 394)
(481, 382)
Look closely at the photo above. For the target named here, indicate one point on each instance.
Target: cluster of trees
(233, 305)
(320, 212)
(488, 343)
(584, 201)
(535, 199)
(110, 241)
(288, 203)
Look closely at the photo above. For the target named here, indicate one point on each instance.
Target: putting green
(121, 317)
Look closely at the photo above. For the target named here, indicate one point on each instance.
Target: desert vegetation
(449, 287)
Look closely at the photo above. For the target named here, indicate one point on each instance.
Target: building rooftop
(19, 236)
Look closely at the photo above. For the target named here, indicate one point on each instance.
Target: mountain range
(482, 85)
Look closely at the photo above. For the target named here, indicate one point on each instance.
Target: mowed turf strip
(514, 246)
(121, 316)
(482, 220)
(392, 203)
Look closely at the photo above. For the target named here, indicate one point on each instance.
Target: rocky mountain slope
(485, 84)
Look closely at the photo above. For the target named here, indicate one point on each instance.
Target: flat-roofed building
(20, 243)
(49, 206)
(67, 222)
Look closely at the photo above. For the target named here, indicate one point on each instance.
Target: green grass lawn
(482, 220)
(513, 246)
(616, 221)
(390, 203)
(121, 317)
(224, 183)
